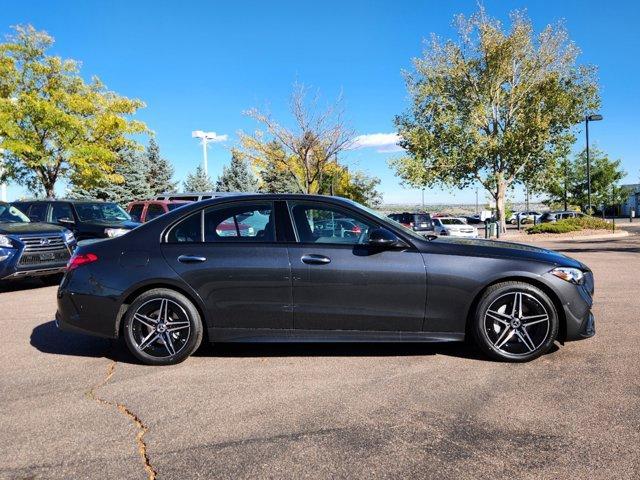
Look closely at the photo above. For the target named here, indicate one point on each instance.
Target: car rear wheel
(162, 327)
(515, 322)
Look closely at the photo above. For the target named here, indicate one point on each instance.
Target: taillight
(411, 224)
(356, 229)
(79, 259)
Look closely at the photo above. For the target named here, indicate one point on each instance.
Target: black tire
(519, 332)
(184, 339)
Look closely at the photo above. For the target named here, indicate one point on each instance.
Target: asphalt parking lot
(79, 407)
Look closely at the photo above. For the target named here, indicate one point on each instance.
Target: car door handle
(191, 259)
(315, 259)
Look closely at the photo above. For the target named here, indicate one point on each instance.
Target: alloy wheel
(517, 323)
(160, 327)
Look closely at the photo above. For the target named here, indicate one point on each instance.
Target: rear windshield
(101, 211)
(421, 218)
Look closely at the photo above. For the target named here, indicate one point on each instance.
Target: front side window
(136, 212)
(38, 212)
(154, 211)
(61, 211)
(244, 222)
(327, 224)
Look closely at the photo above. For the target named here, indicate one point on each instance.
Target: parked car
(195, 196)
(31, 249)
(559, 215)
(144, 210)
(418, 222)
(170, 283)
(85, 218)
(455, 227)
(525, 217)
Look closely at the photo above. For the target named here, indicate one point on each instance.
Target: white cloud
(382, 142)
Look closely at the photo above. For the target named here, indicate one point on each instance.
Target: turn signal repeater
(79, 259)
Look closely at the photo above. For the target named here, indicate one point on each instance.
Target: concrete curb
(566, 238)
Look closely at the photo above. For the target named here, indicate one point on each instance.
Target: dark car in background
(170, 283)
(548, 217)
(418, 222)
(31, 249)
(85, 218)
(145, 210)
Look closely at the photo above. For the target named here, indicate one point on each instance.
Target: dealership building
(633, 200)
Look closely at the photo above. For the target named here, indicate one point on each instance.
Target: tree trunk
(500, 197)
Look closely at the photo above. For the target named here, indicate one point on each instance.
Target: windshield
(10, 214)
(451, 221)
(101, 211)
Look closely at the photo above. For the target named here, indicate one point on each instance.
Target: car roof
(68, 200)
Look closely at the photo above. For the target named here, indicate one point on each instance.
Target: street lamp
(587, 119)
(207, 137)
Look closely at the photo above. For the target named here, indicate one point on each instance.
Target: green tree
(496, 108)
(277, 180)
(198, 181)
(237, 177)
(606, 175)
(159, 170)
(132, 168)
(55, 126)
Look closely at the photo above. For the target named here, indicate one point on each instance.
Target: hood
(9, 228)
(492, 248)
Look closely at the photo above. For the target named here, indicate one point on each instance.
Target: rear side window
(188, 230)
(245, 222)
(136, 212)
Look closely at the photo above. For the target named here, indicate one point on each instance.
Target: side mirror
(381, 237)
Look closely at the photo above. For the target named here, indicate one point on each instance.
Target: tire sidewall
(194, 317)
(495, 292)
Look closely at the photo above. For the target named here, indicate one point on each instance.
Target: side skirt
(266, 335)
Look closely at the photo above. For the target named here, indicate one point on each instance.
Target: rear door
(340, 283)
(230, 255)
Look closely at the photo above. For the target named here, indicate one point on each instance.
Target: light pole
(587, 119)
(423, 199)
(207, 137)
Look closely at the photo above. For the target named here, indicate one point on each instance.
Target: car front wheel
(515, 322)
(162, 327)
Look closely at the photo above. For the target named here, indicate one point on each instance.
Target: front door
(340, 283)
(229, 255)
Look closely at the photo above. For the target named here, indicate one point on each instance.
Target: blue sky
(199, 64)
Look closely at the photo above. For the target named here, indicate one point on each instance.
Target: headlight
(573, 275)
(115, 232)
(68, 237)
(5, 241)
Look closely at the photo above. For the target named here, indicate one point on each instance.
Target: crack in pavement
(142, 428)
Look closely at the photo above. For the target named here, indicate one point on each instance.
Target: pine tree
(237, 177)
(276, 180)
(132, 168)
(159, 170)
(198, 182)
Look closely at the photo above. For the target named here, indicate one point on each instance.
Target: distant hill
(453, 208)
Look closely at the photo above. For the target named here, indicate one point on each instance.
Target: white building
(633, 200)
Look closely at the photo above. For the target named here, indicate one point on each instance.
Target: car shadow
(47, 338)
(24, 284)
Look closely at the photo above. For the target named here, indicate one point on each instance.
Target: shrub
(571, 225)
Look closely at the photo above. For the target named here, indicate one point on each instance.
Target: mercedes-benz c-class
(304, 268)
